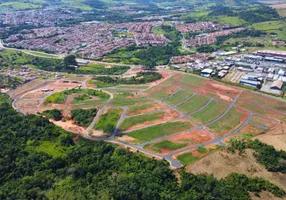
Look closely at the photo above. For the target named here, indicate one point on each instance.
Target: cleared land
(108, 120)
(150, 133)
(179, 141)
(140, 121)
(141, 109)
(209, 113)
(231, 121)
(193, 104)
(130, 102)
(179, 97)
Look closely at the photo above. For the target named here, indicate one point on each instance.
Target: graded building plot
(124, 96)
(194, 155)
(262, 121)
(214, 93)
(179, 141)
(262, 100)
(27, 103)
(165, 146)
(195, 103)
(259, 110)
(156, 131)
(35, 94)
(166, 92)
(108, 120)
(140, 121)
(193, 79)
(130, 102)
(209, 113)
(179, 97)
(171, 79)
(249, 131)
(231, 121)
(145, 108)
(120, 90)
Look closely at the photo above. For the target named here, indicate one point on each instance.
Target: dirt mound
(265, 195)
(222, 163)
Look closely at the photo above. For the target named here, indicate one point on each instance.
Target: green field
(108, 121)
(135, 109)
(19, 5)
(234, 21)
(166, 144)
(163, 93)
(102, 69)
(193, 104)
(150, 133)
(129, 102)
(178, 97)
(272, 27)
(229, 122)
(140, 119)
(82, 96)
(192, 79)
(212, 111)
(187, 158)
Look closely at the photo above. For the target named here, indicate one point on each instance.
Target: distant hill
(102, 4)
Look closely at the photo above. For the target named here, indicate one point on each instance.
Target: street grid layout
(181, 85)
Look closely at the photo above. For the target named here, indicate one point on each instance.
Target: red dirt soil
(222, 88)
(210, 93)
(192, 138)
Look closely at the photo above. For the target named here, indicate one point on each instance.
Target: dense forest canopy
(39, 160)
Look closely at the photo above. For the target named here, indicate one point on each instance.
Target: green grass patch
(192, 79)
(212, 111)
(83, 95)
(135, 109)
(133, 121)
(227, 123)
(108, 121)
(129, 102)
(232, 20)
(193, 104)
(50, 148)
(102, 69)
(166, 144)
(202, 150)
(187, 158)
(150, 133)
(272, 27)
(178, 97)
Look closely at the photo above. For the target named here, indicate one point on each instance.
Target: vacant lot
(147, 120)
(166, 92)
(179, 141)
(231, 121)
(108, 120)
(141, 109)
(150, 133)
(193, 104)
(209, 113)
(130, 102)
(179, 97)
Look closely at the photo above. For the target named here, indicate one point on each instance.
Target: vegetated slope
(41, 161)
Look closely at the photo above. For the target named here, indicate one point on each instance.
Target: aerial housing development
(143, 99)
